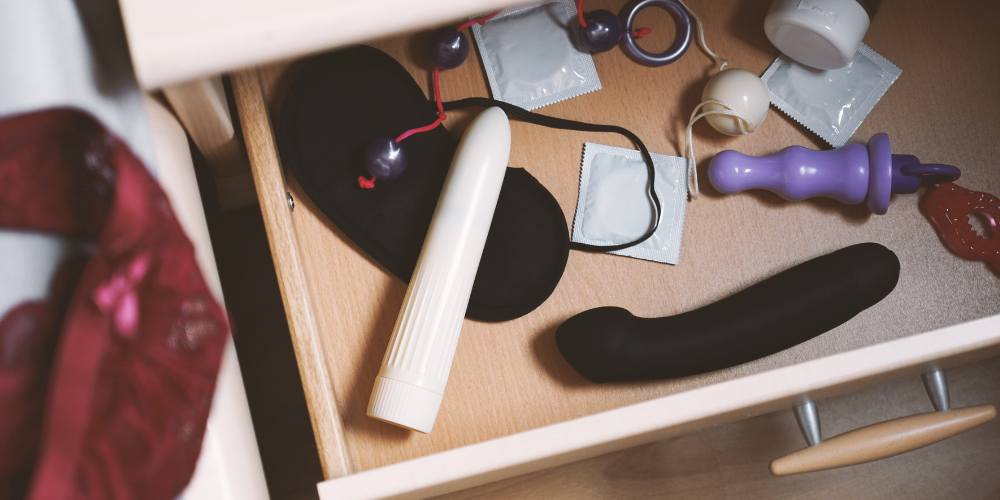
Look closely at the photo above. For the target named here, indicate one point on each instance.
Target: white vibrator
(410, 386)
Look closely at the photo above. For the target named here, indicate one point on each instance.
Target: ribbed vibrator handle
(410, 385)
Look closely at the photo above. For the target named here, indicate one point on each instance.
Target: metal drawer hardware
(937, 388)
(808, 419)
(884, 439)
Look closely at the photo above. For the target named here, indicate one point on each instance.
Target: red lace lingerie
(105, 388)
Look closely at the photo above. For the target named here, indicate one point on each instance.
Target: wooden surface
(883, 440)
(942, 110)
(730, 462)
(669, 416)
(310, 348)
(201, 107)
(180, 40)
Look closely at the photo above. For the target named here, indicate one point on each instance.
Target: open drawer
(513, 405)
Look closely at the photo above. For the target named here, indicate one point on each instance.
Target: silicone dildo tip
(447, 48)
(603, 31)
(876, 272)
(592, 340)
(385, 159)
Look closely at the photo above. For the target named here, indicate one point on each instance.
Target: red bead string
(641, 32)
(441, 115)
(437, 85)
(481, 21)
(370, 183)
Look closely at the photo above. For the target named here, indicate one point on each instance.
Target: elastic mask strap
(559, 123)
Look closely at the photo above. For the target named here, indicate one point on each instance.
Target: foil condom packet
(613, 206)
(532, 56)
(831, 103)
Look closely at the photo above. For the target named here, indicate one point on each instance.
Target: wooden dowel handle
(883, 440)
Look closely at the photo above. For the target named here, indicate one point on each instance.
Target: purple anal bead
(447, 48)
(603, 31)
(385, 159)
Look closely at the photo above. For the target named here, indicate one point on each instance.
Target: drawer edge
(295, 294)
(668, 416)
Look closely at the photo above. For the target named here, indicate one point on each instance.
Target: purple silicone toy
(447, 48)
(851, 174)
(682, 40)
(385, 159)
(603, 31)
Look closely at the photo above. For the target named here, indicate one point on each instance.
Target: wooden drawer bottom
(342, 305)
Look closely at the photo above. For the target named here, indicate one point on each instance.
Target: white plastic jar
(823, 34)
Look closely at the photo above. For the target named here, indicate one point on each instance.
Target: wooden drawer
(513, 405)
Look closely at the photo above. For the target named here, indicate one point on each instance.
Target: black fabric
(609, 344)
(343, 100)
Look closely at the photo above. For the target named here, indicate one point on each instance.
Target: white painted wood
(229, 467)
(201, 107)
(182, 40)
(658, 419)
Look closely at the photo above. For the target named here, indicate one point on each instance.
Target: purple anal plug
(851, 174)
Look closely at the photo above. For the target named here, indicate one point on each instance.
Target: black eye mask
(343, 100)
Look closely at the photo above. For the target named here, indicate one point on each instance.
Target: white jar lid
(822, 34)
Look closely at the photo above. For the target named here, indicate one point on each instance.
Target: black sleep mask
(343, 100)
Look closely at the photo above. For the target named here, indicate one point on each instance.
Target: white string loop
(745, 124)
(701, 37)
(725, 109)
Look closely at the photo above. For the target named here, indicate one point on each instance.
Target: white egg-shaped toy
(744, 92)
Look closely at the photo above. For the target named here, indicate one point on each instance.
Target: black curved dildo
(609, 344)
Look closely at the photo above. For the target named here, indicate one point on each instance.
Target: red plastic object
(949, 207)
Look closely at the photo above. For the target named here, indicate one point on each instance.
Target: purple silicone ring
(681, 18)
(932, 173)
(880, 174)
